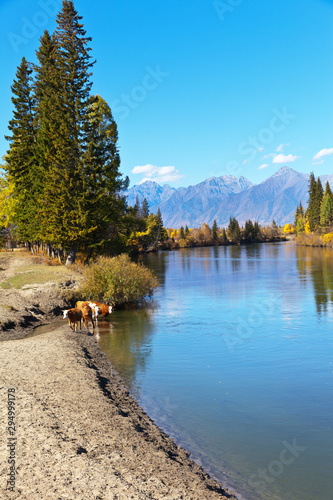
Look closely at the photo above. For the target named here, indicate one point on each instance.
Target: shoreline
(75, 414)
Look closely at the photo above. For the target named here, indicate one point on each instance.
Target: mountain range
(219, 198)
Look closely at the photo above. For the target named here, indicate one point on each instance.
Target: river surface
(233, 359)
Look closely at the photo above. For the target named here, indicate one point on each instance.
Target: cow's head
(65, 313)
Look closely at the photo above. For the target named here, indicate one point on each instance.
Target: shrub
(328, 238)
(117, 281)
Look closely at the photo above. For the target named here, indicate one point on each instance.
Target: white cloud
(157, 174)
(281, 146)
(265, 165)
(317, 162)
(323, 152)
(281, 158)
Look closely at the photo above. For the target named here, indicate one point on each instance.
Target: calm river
(233, 359)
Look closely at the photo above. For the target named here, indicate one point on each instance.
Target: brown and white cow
(104, 309)
(95, 309)
(74, 316)
(87, 313)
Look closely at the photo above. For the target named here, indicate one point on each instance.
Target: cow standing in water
(99, 308)
(87, 313)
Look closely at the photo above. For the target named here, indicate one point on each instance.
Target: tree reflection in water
(126, 340)
(317, 264)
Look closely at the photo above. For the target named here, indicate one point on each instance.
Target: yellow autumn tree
(289, 229)
(7, 210)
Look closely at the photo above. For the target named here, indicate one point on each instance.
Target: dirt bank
(80, 435)
(30, 293)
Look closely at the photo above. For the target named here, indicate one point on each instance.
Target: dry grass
(34, 270)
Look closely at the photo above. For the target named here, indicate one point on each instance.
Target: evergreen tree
(20, 159)
(214, 231)
(159, 217)
(65, 194)
(224, 236)
(275, 229)
(299, 213)
(102, 181)
(248, 230)
(234, 230)
(136, 207)
(300, 226)
(48, 126)
(145, 208)
(326, 211)
(186, 230)
(181, 233)
(314, 204)
(256, 230)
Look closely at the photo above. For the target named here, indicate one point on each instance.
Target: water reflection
(126, 339)
(317, 264)
(235, 255)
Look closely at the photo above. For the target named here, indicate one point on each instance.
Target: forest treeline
(185, 237)
(314, 226)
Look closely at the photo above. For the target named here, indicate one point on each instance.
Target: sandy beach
(76, 433)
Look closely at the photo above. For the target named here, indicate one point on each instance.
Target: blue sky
(199, 88)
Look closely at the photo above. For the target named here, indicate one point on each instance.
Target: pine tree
(214, 231)
(145, 208)
(234, 230)
(64, 205)
(102, 181)
(299, 213)
(256, 230)
(275, 229)
(319, 200)
(159, 217)
(48, 121)
(136, 207)
(20, 159)
(248, 230)
(314, 203)
(326, 211)
(181, 233)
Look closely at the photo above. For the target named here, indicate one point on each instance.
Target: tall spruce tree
(103, 183)
(314, 203)
(299, 213)
(145, 208)
(20, 159)
(248, 230)
(326, 210)
(234, 230)
(64, 204)
(48, 121)
(214, 231)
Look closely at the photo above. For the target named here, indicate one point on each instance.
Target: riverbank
(79, 432)
(32, 293)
